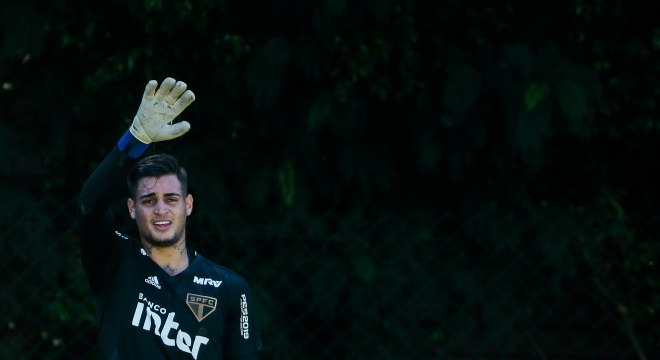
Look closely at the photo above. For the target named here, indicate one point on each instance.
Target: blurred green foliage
(534, 125)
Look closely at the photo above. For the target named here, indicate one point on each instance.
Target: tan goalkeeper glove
(159, 107)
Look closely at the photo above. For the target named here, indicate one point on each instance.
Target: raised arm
(153, 122)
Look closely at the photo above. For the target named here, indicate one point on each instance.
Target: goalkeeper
(156, 299)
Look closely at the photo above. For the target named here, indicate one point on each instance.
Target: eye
(172, 200)
(147, 202)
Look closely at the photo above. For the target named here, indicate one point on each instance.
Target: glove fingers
(186, 99)
(165, 88)
(177, 90)
(176, 130)
(150, 89)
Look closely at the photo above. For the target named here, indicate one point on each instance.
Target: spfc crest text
(201, 306)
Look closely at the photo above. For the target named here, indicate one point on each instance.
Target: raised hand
(158, 109)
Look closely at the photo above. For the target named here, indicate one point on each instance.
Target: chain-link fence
(400, 286)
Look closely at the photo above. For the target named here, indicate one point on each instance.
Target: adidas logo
(153, 280)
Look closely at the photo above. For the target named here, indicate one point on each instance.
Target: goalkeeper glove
(159, 107)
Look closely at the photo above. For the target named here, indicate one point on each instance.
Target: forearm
(105, 184)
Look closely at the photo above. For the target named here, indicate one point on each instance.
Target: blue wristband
(132, 147)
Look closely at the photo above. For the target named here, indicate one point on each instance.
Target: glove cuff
(131, 146)
(138, 131)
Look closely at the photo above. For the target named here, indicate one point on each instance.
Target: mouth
(162, 224)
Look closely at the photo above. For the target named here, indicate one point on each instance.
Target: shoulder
(215, 273)
(121, 236)
(128, 243)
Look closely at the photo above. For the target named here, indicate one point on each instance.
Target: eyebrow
(154, 194)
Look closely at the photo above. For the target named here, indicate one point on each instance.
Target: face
(160, 209)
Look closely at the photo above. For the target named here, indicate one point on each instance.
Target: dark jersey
(205, 312)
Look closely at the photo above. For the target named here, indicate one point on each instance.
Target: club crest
(201, 306)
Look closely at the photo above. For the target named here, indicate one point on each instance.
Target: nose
(160, 207)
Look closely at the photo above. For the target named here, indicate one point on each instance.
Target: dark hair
(156, 166)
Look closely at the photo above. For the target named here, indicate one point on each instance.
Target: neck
(173, 259)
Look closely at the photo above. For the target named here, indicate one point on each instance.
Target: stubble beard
(162, 243)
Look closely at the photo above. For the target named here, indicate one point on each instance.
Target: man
(155, 298)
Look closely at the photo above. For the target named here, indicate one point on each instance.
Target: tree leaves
(535, 94)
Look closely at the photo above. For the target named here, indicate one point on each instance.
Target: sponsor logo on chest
(149, 316)
(207, 281)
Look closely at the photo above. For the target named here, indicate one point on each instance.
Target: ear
(131, 207)
(189, 204)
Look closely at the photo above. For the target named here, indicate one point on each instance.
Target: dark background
(396, 179)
